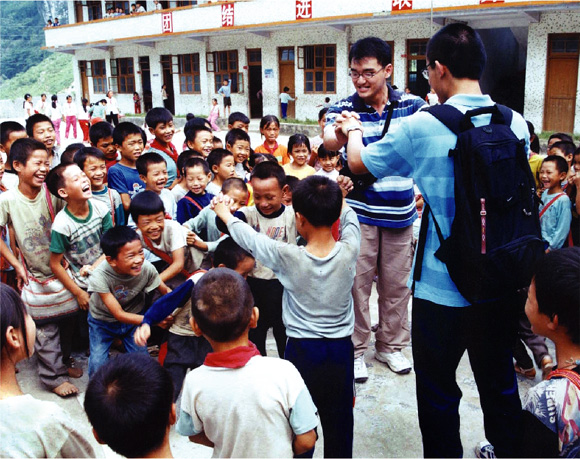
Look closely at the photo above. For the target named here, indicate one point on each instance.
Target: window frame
(193, 73)
(124, 83)
(214, 63)
(318, 53)
(99, 78)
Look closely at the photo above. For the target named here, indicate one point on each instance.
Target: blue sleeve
(303, 415)
(116, 180)
(168, 303)
(563, 218)
(182, 213)
(185, 425)
(119, 215)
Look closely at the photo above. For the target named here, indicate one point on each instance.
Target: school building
(264, 45)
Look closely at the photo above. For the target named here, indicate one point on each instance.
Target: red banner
(228, 15)
(400, 5)
(167, 23)
(303, 9)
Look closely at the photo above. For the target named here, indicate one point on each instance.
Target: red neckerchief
(237, 357)
(269, 149)
(170, 150)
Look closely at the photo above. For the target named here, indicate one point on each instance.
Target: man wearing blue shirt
(444, 323)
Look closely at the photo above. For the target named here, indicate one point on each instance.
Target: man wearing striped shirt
(385, 209)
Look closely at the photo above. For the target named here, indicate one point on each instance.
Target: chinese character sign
(228, 15)
(167, 23)
(491, 1)
(303, 9)
(399, 5)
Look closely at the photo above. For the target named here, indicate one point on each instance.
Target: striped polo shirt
(390, 201)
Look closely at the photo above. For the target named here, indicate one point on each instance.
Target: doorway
(286, 66)
(561, 81)
(256, 96)
(84, 79)
(166, 66)
(147, 94)
(416, 62)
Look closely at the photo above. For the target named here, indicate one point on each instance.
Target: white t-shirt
(333, 175)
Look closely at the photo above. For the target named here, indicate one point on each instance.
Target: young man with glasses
(385, 209)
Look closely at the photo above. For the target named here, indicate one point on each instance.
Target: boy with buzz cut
(101, 137)
(118, 289)
(238, 142)
(198, 137)
(238, 120)
(123, 176)
(273, 410)
(222, 165)
(197, 176)
(39, 127)
(152, 168)
(10, 132)
(129, 403)
(160, 123)
(317, 304)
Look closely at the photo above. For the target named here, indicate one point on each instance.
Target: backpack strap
(194, 202)
(552, 201)
(570, 375)
(49, 202)
(422, 239)
(164, 256)
(112, 205)
(457, 122)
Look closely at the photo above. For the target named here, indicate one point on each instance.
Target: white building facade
(265, 45)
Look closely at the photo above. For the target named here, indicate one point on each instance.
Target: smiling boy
(39, 127)
(198, 138)
(160, 122)
(152, 170)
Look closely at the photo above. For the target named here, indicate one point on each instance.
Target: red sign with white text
(303, 9)
(167, 23)
(400, 5)
(491, 1)
(228, 15)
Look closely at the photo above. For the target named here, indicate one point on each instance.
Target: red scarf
(171, 151)
(271, 151)
(237, 357)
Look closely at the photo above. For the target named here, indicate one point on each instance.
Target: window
(189, 79)
(226, 67)
(95, 10)
(99, 76)
(416, 62)
(319, 63)
(123, 75)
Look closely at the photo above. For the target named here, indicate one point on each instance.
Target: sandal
(529, 373)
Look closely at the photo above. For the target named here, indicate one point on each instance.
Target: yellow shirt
(301, 173)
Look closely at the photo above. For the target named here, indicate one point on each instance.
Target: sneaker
(529, 373)
(396, 361)
(361, 373)
(484, 449)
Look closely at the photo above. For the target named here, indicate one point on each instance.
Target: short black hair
(124, 129)
(258, 158)
(22, 149)
(192, 127)
(297, 139)
(322, 113)
(292, 181)
(318, 199)
(69, 153)
(286, 88)
(81, 156)
(557, 277)
(566, 147)
(216, 156)
(268, 169)
(266, 120)
(184, 156)
(100, 130)
(115, 238)
(561, 136)
(55, 178)
(234, 135)
(143, 161)
(460, 48)
(234, 183)
(238, 116)
(560, 163)
(229, 254)
(145, 203)
(7, 128)
(325, 153)
(12, 314)
(34, 120)
(128, 403)
(196, 162)
(158, 115)
(222, 304)
(371, 47)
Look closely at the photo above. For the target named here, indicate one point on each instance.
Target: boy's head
(226, 81)
(39, 127)
(554, 296)
(237, 190)
(123, 250)
(69, 153)
(228, 254)
(198, 137)
(183, 157)
(564, 149)
(322, 117)
(559, 137)
(328, 159)
(91, 160)
(238, 142)
(197, 175)
(69, 182)
(160, 123)
(152, 170)
(237, 120)
(269, 185)
(130, 139)
(221, 163)
(553, 172)
(299, 149)
(129, 403)
(29, 158)
(291, 182)
(318, 200)
(217, 142)
(222, 306)
(286, 89)
(148, 213)
(10, 131)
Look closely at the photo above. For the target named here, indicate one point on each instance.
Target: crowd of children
(126, 242)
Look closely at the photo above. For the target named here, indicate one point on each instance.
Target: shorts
(227, 101)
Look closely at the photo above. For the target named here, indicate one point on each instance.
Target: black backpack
(495, 236)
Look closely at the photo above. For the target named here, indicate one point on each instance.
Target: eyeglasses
(425, 71)
(367, 74)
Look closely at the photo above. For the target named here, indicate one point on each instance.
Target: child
(214, 114)
(137, 103)
(55, 114)
(574, 194)
(10, 132)
(319, 139)
(39, 127)
(299, 148)
(29, 427)
(101, 135)
(270, 129)
(217, 142)
(284, 99)
(237, 120)
(123, 176)
(328, 161)
(69, 153)
(318, 306)
(559, 137)
(69, 112)
(235, 382)
(152, 170)
(198, 137)
(555, 208)
(93, 163)
(222, 165)
(197, 176)
(291, 183)
(30, 209)
(238, 142)
(160, 122)
(565, 150)
(7, 272)
(98, 111)
(28, 106)
(180, 188)
(129, 403)
(118, 287)
(226, 91)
